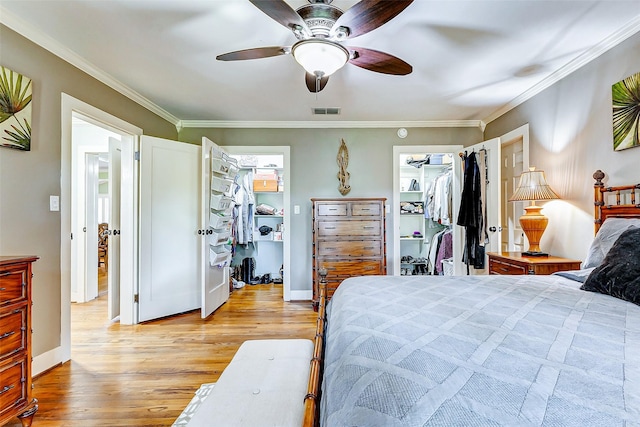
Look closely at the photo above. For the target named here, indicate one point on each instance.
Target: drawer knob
(7, 334)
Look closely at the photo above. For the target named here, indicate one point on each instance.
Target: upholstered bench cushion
(264, 385)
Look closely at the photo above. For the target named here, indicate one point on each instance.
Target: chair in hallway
(103, 243)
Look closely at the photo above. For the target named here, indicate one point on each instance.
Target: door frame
(456, 188)
(520, 133)
(71, 105)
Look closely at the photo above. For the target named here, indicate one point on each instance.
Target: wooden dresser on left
(16, 398)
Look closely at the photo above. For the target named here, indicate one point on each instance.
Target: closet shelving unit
(271, 198)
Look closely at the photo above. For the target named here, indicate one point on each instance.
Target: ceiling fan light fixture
(320, 57)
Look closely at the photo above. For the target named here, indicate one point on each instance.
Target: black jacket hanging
(470, 215)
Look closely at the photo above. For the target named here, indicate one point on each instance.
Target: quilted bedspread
(479, 351)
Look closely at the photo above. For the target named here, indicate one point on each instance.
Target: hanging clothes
(248, 202)
(471, 215)
(436, 241)
(243, 210)
(437, 198)
(445, 250)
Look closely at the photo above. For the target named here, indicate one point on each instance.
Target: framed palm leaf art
(15, 110)
(626, 113)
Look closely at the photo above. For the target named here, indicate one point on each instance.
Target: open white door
(169, 223)
(91, 226)
(215, 226)
(491, 151)
(113, 268)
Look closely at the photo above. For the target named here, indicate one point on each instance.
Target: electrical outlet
(296, 209)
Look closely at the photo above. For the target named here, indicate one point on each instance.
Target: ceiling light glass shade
(533, 186)
(320, 57)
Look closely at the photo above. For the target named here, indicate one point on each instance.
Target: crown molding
(38, 37)
(328, 124)
(610, 42)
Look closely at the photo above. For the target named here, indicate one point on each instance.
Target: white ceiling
(471, 59)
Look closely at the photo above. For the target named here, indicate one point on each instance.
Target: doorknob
(493, 229)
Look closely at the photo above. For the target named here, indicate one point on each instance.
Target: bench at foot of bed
(264, 385)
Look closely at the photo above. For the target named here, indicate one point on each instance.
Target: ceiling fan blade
(282, 13)
(368, 15)
(255, 53)
(379, 62)
(312, 82)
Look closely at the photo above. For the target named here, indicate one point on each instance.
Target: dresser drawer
(365, 209)
(12, 284)
(13, 333)
(350, 248)
(337, 271)
(13, 387)
(349, 228)
(351, 268)
(501, 267)
(326, 209)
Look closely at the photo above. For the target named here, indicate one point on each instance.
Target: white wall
(571, 135)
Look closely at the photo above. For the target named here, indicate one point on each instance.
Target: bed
(489, 350)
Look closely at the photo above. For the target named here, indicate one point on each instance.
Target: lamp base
(533, 224)
(532, 253)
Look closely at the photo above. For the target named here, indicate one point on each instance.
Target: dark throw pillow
(619, 273)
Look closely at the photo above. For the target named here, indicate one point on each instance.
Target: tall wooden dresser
(15, 340)
(348, 240)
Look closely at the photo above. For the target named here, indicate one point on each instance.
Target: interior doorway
(79, 118)
(90, 205)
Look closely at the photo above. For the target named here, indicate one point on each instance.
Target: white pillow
(609, 232)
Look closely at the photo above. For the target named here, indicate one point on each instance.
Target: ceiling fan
(320, 28)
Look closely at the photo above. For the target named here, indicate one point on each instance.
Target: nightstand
(515, 263)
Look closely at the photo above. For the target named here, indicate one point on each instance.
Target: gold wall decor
(343, 175)
(626, 113)
(15, 110)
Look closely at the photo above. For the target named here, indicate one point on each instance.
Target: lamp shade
(533, 186)
(320, 57)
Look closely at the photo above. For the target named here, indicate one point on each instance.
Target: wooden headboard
(627, 200)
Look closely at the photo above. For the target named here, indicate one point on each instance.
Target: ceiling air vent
(325, 111)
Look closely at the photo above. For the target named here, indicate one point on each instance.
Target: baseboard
(301, 295)
(46, 361)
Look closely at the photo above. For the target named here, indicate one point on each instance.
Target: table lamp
(533, 186)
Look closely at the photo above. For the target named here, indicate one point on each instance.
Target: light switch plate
(296, 209)
(54, 203)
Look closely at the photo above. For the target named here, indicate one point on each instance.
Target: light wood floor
(145, 375)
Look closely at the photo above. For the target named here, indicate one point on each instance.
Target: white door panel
(128, 235)
(214, 279)
(169, 220)
(113, 278)
(492, 202)
(91, 227)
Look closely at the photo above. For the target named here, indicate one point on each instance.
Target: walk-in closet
(261, 217)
